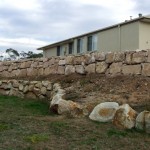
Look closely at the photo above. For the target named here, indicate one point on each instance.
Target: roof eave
(106, 28)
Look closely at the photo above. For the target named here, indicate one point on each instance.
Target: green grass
(4, 126)
(35, 138)
(117, 133)
(58, 127)
(23, 106)
(26, 124)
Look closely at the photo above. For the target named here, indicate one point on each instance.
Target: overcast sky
(26, 25)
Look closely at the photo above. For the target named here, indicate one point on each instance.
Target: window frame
(79, 45)
(59, 50)
(92, 42)
(71, 48)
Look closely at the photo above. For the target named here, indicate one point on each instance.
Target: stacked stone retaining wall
(27, 89)
(113, 63)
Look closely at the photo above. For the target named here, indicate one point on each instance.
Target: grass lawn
(28, 125)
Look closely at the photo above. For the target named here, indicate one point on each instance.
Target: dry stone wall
(113, 63)
(27, 89)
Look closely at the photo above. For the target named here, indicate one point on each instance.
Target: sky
(26, 25)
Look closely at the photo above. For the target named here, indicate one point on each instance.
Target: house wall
(50, 52)
(144, 35)
(108, 40)
(129, 36)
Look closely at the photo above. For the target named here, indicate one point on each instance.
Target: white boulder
(104, 112)
(143, 121)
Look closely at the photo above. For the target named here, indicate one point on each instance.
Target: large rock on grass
(104, 112)
(143, 121)
(125, 117)
(63, 107)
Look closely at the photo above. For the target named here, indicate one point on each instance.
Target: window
(79, 45)
(59, 50)
(92, 43)
(71, 48)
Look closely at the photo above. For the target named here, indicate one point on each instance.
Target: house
(131, 34)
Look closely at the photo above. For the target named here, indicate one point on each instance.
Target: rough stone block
(89, 58)
(51, 61)
(46, 71)
(15, 73)
(30, 95)
(40, 72)
(22, 73)
(35, 64)
(46, 64)
(6, 74)
(139, 57)
(25, 64)
(119, 57)
(100, 56)
(101, 67)
(128, 58)
(115, 68)
(146, 69)
(61, 69)
(53, 69)
(32, 72)
(80, 69)
(131, 69)
(110, 57)
(78, 60)
(69, 69)
(62, 62)
(69, 60)
(91, 68)
(1, 68)
(43, 90)
(148, 58)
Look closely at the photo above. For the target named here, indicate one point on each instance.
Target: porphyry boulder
(125, 117)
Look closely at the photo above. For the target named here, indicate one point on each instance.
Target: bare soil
(92, 89)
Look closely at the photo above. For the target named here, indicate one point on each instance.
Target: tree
(30, 54)
(13, 54)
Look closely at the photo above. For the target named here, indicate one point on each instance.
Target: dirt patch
(92, 89)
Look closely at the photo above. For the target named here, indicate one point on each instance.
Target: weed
(37, 107)
(58, 127)
(35, 138)
(90, 141)
(24, 107)
(84, 81)
(117, 133)
(3, 126)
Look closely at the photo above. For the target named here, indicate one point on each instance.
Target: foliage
(114, 132)
(3, 126)
(13, 54)
(37, 138)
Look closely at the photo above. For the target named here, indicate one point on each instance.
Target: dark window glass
(58, 50)
(89, 45)
(71, 48)
(78, 45)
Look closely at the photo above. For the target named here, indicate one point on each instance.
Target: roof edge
(95, 31)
